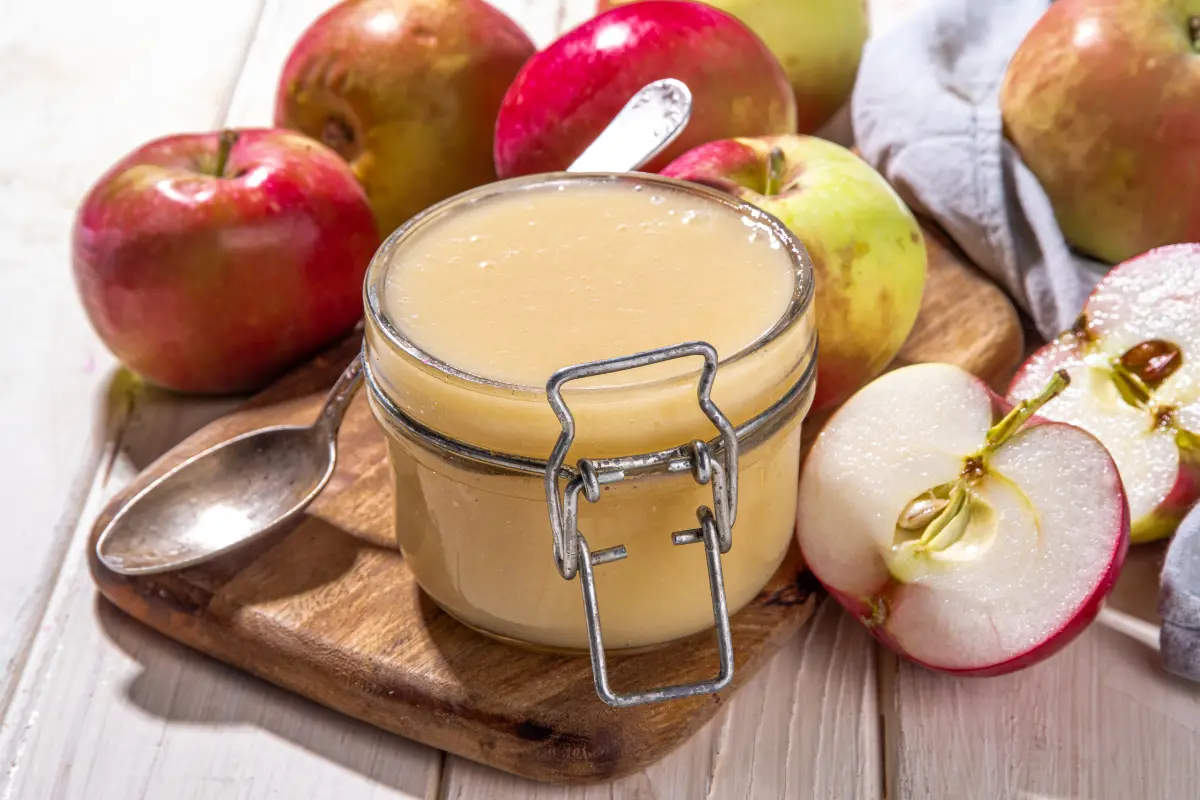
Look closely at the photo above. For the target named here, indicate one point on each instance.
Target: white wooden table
(96, 706)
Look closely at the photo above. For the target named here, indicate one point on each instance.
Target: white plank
(110, 709)
(1098, 720)
(106, 708)
(78, 89)
(805, 727)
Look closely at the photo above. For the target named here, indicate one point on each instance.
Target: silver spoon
(242, 489)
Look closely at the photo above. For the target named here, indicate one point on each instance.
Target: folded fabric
(926, 114)
(1179, 601)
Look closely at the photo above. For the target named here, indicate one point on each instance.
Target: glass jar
(491, 539)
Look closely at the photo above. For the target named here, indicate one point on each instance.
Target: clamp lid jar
(646, 343)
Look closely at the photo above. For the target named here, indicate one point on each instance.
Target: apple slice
(967, 542)
(1134, 362)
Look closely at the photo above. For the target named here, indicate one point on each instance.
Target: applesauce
(474, 305)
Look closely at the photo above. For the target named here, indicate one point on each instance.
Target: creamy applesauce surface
(517, 286)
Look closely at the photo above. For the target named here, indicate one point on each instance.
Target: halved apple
(1134, 362)
(967, 535)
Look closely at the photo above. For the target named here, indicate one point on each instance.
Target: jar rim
(802, 270)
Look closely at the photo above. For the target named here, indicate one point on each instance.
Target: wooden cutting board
(328, 608)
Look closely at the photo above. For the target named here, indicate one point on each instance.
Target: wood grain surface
(329, 609)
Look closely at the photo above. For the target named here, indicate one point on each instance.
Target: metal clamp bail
(571, 553)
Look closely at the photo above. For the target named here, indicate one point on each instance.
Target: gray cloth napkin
(1179, 601)
(926, 114)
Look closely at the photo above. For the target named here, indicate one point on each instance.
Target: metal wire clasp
(571, 553)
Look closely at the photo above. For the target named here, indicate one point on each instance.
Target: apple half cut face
(966, 535)
(1134, 362)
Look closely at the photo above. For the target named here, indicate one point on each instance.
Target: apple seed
(1152, 361)
(920, 511)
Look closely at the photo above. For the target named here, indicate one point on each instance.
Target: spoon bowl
(218, 500)
(230, 494)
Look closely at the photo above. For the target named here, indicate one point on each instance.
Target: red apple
(968, 535)
(1102, 99)
(566, 94)
(407, 91)
(819, 43)
(211, 262)
(867, 249)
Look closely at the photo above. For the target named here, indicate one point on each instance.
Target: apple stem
(224, 147)
(1194, 31)
(774, 171)
(1003, 430)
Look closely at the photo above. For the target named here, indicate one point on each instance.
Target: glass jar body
(478, 540)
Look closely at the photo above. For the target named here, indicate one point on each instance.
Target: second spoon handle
(340, 396)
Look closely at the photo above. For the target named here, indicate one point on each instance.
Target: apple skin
(407, 91)
(818, 42)
(209, 284)
(568, 93)
(867, 249)
(1084, 615)
(1102, 100)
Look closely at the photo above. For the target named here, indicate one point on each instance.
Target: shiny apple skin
(1102, 100)
(207, 284)
(819, 43)
(566, 94)
(868, 252)
(1077, 623)
(407, 91)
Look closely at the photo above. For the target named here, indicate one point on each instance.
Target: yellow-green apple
(969, 536)
(867, 248)
(819, 43)
(407, 91)
(568, 93)
(211, 262)
(1134, 361)
(1102, 100)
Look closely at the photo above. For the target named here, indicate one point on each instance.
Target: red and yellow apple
(968, 535)
(1102, 100)
(407, 92)
(568, 93)
(1134, 361)
(867, 249)
(819, 43)
(212, 262)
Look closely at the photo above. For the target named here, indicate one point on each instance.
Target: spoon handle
(649, 122)
(330, 418)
